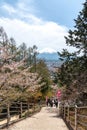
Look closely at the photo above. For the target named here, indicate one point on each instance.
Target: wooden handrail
(19, 109)
(78, 117)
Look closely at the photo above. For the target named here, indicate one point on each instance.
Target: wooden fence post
(28, 108)
(68, 113)
(75, 117)
(64, 111)
(58, 108)
(8, 114)
(21, 110)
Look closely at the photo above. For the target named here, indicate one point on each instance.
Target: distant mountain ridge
(48, 56)
(51, 59)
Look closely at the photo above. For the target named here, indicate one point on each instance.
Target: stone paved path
(46, 119)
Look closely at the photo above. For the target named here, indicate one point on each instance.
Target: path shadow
(52, 110)
(56, 116)
(34, 117)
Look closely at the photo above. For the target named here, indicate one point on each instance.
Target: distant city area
(51, 59)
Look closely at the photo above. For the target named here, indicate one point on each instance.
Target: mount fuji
(47, 50)
(48, 54)
(51, 57)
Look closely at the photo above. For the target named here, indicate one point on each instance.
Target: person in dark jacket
(56, 102)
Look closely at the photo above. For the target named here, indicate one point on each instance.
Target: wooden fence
(75, 117)
(16, 111)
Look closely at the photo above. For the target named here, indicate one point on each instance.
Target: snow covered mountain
(48, 56)
(47, 50)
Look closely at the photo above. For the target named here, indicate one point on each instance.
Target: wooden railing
(16, 111)
(75, 117)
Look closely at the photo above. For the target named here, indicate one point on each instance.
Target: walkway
(46, 119)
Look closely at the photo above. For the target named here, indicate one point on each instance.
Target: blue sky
(40, 22)
(60, 11)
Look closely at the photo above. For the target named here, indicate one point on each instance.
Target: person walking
(56, 102)
(46, 100)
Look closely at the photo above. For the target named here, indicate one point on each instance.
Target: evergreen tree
(12, 44)
(34, 56)
(23, 50)
(75, 64)
(3, 37)
(78, 37)
(29, 56)
(43, 71)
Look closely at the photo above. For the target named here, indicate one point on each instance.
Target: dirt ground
(46, 119)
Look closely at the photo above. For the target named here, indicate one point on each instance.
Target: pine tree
(78, 37)
(75, 64)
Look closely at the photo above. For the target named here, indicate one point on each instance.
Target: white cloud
(26, 6)
(43, 34)
(26, 27)
(21, 9)
(8, 8)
